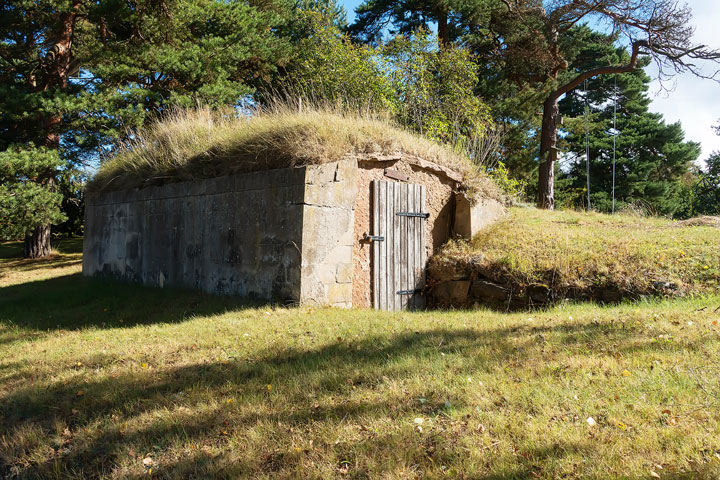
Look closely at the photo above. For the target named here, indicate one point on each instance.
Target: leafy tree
(75, 74)
(534, 41)
(329, 69)
(435, 90)
(653, 160)
(374, 17)
(422, 88)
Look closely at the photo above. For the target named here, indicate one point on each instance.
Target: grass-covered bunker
(311, 207)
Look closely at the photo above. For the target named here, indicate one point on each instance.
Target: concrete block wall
(470, 219)
(240, 234)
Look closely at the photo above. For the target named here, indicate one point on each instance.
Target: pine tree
(75, 74)
(653, 161)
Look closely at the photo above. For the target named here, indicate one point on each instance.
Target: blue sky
(694, 102)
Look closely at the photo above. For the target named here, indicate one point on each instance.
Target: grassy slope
(99, 379)
(575, 253)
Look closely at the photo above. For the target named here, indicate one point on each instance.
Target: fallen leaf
(621, 426)
(80, 393)
(654, 474)
(144, 365)
(148, 461)
(626, 373)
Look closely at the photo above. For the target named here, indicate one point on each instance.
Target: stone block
(454, 292)
(483, 290)
(344, 273)
(471, 219)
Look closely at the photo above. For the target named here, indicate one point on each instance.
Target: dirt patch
(706, 221)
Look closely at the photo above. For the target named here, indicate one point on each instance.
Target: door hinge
(413, 214)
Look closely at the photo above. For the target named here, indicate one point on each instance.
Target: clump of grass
(203, 143)
(581, 255)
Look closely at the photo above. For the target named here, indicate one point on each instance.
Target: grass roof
(577, 254)
(201, 143)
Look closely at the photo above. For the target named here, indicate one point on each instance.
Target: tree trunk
(442, 20)
(59, 60)
(37, 244)
(548, 154)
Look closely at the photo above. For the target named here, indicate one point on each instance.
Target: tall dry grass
(205, 143)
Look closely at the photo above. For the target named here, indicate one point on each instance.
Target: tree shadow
(73, 302)
(332, 371)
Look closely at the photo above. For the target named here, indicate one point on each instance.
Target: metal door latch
(373, 238)
(409, 292)
(413, 214)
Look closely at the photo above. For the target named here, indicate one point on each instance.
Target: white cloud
(695, 102)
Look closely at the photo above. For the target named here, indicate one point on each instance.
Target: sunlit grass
(66, 259)
(105, 380)
(576, 254)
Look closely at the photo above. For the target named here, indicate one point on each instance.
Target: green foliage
(435, 90)
(27, 199)
(653, 160)
(512, 187)
(80, 74)
(422, 88)
(328, 69)
(705, 194)
(71, 184)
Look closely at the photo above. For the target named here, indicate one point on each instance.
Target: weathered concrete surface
(209, 234)
(470, 219)
(327, 237)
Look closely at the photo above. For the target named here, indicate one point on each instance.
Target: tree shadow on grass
(333, 385)
(74, 302)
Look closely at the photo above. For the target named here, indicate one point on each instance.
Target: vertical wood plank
(403, 187)
(380, 260)
(412, 226)
(376, 245)
(417, 232)
(388, 245)
(397, 238)
(421, 249)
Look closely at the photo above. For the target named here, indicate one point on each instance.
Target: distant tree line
(521, 86)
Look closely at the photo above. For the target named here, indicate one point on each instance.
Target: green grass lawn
(104, 380)
(582, 255)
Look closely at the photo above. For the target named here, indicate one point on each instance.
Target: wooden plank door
(398, 260)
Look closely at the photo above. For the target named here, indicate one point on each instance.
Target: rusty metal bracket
(413, 214)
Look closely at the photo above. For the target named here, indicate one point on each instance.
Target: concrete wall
(289, 235)
(327, 237)
(470, 219)
(240, 234)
